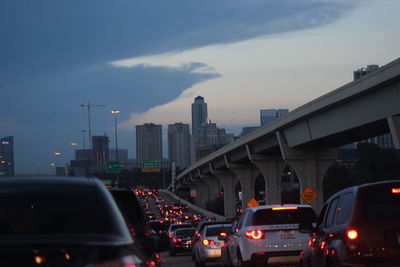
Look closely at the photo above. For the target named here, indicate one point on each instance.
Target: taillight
(352, 234)
(284, 208)
(207, 242)
(177, 240)
(395, 190)
(223, 234)
(255, 234)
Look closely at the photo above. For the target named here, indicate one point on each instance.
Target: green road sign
(113, 167)
(150, 165)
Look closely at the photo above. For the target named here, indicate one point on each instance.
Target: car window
(241, 221)
(321, 216)
(184, 233)
(331, 212)
(270, 217)
(217, 229)
(177, 226)
(345, 207)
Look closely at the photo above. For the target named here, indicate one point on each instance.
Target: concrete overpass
(306, 140)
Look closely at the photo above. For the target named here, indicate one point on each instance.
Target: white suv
(269, 234)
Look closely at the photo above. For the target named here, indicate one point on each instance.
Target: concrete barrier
(193, 207)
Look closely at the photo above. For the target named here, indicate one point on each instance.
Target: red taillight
(255, 234)
(177, 240)
(284, 208)
(223, 234)
(207, 242)
(151, 263)
(395, 190)
(352, 234)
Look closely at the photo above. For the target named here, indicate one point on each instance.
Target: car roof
(25, 180)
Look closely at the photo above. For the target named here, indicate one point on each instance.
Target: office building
(268, 115)
(122, 155)
(100, 147)
(7, 156)
(209, 139)
(148, 142)
(179, 144)
(357, 74)
(199, 114)
(247, 130)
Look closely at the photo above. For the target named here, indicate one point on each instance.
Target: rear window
(54, 209)
(216, 230)
(178, 226)
(270, 217)
(380, 204)
(184, 233)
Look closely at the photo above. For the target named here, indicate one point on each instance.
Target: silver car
(208, 247)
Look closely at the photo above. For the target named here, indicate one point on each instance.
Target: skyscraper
(100, 149)
(7, 156)
(199, 114)
(179, 144)
(148, 142)
(268, 115)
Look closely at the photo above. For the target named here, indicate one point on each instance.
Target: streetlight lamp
(115, 112)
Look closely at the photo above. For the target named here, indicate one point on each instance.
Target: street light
(115, 112)
(73, 145)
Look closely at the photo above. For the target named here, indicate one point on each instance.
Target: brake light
(177, 240)
(223, 234)
(352, 234)
(284, 208)
(207, 242)
(255, 234)
(395, 190)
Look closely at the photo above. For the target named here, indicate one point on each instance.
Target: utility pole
(83, 136)
(88, 105)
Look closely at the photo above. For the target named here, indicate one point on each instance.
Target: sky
(150, 59)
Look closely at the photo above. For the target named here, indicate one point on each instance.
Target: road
(182, 260)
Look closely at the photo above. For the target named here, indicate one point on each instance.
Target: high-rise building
(100, 147)
(7, 156)
(122, 155)
(148, 142)
(357, 74)
(199, 114)
(209, 139)
(179, 144)
(268, 115)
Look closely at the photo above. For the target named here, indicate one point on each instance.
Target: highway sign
(113, 167)
(309, 195)
(150, 166)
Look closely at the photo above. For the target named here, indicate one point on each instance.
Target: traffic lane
(183, 260)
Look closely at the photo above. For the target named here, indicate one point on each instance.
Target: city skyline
(242, 56)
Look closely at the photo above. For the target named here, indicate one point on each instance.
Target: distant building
(148, 142)
(199, 114)
(80, 168)
(84, 154)
(384, 141)
(100, 147)
(7, 156)
(122, 155)
(247, 130)
(268, 115)
(179, 144)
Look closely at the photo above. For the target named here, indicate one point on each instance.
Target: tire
(242, 263)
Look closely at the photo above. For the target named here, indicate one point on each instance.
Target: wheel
(242, 263)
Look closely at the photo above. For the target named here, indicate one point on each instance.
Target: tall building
(199, 114)
(179, 144)
(100, 147)
(122, 155)
(384, 141)
(268, 115)
(7, 156)
(148, 142)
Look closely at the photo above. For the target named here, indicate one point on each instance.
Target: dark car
(358, 226)
(182, 241)
(56, 221)
(139, 228)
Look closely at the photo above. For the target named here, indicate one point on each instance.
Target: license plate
(288, 235)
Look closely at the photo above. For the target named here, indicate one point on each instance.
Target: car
(269, 234)
(208, 247)
(139, 227)
(357, 226)
(181, 241)
(175, 226)
(60, 221)
(200, 226)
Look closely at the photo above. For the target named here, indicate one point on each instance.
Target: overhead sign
(309, 195)
(150, 166)
(113, 167)
(253, 203)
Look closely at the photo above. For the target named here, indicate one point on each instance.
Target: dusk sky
(150, 59)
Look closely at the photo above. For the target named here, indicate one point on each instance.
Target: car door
(235, 240)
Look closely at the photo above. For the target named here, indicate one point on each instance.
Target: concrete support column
(271, 169)
(202, 194)
(247, 175)
(213, 186)
(228, 181)
(394, 126)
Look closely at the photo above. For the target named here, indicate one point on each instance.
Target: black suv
(62, 221)
(358, 226)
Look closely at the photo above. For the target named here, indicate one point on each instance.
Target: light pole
(73, 145)
(83, 138)
(57, 154)
(88, 105)
(115, 112)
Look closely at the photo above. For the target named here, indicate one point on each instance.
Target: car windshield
(296, 216)
(47, 210)
(177, 226)
(184, 233)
